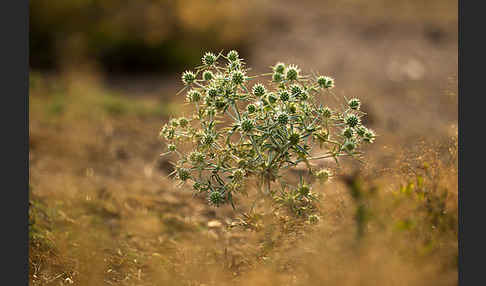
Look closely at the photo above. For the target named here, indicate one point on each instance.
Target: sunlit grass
(104, 213)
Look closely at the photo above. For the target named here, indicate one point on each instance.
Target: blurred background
(401, 53)
(104, 76)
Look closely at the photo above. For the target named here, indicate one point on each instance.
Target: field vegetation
(103, 209)
(104, 212)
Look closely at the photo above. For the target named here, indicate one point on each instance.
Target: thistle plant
(257, 126)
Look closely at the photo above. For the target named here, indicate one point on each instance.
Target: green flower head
(232, 55)
(238, 174)
(352, 120)
(323, 175)
(354, 104)
(279, 68)
(259, 90)
(208, 59)
(183, 122)
(314, 219)
(193, 96)
(272, 98)
(216, 198)
(284, 95)
(325, 82)
(188, 77)
(238, 77)
(283, 118)
(292, 72)
(277, 77)
(251, 108)
(196, 157)
(327, 112)
(207, 75)
(183, 174)
(369, 136)
(349, 145)
(348, 132)
(212, 92)
(171, 147)
(294, 138)
(361, 130)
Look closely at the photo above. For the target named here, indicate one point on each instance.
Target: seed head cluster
(257, 126)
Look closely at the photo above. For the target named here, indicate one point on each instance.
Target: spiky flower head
(188, 77)
(369, 136)
(283, 118)
(247, 125)
(349, 145)
(196, 157)
(238, 174)
(174, 122)
(321, 80)
(183, 174)
(348, 132)
(314, 219)
(294, 138)
(171, 133)
(354, 103)
(183, 122)
(193, 96)
(251, 108)
(259, 90)
(304, 95)
(329, 83)
(208, 75)
(292, 72)
(171, 147)
(216, 198)
(167, 132)
(296, 90)
(361, 130)
(272, 98)
(234, 65)
(327, 112)
(323, 175)
(279, 68)
(352, 120)
(284, 95)
(238, 77)
(212, 92)
(208, 139)
(277, 77)
(232, 55)
(325, 82)
(209, 58)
